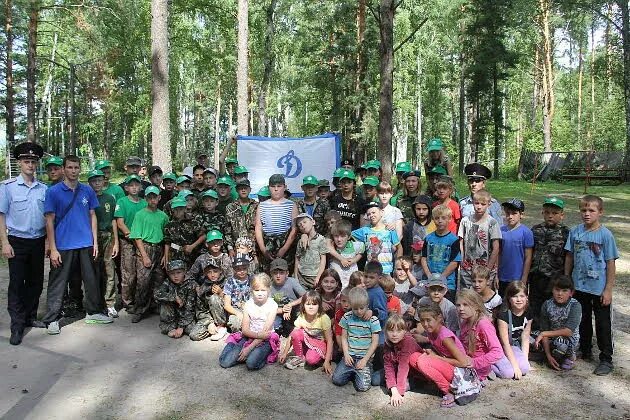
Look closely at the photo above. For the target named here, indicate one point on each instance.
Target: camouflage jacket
(223, 203)
(319, 212)
(178, 233)
(195, 273)
(167, 292)
(239, 224)
(215, 220)
(405, 204)
(548, 258)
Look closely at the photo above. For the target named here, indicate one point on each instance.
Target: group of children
(439, 290)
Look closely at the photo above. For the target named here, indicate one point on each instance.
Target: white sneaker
(98, 319)
(221, 332)
(53, 328)
(112, 312)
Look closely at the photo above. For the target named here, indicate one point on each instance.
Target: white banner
(294, 158)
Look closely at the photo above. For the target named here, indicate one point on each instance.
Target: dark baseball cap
(514, 203)
(155, 169)
(279, 264)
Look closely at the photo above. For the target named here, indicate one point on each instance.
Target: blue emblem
(292, 165)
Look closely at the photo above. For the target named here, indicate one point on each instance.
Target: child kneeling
(257, 344)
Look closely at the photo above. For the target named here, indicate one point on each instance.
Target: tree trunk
(462, 113)
(352, 142)
(609, 51)
(625, 36)
(160, 115)
(592, 126)
(31, 76)
(268, 63)
(242, 100)
(547, 72)
(580, 84)
(417, 156)
(496, 118)
(217, 127)
(10, 108)
(386, 95)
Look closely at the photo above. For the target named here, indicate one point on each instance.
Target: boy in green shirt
(147, 231)
(108, 188)
(126, 209)
(107, 236)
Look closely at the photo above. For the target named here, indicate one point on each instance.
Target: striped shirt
(276, 219)
(359, 332)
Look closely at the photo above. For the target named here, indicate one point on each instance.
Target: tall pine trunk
(31, 77)
(625, 36)
(268, 63)
(242, 99)
(386, 95)
(160, 115)
(547, 72)
(9, 105)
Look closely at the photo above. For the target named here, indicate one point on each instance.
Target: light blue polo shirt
(23, 207)
(75, 230)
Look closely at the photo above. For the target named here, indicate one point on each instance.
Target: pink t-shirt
(437, 341)
(488, 349)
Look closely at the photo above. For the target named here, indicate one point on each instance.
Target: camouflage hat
(347, 174)
(372, 181)
(184, 193)
(94, 174)
(403, 167)
(231, 160)
(175, 265)
(178, 202)
(323, 183)
(415, 173)
(225, 180)
(56, 160)
(211, 194)
(264, 192)
(132, 178)
(170, 175)
(435, 144)
(151, 189)
(243, 183)
(241, 259)
(554, 201)
(209, 263)
(214, 235)
(310, 180)
(182, 179)
(133, 161)
(240, 169)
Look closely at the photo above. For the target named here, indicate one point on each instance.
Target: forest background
(492, 78)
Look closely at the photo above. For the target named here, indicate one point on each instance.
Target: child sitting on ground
(211, 320)
(399, 346)
(176, 299)
(287, 292)
(393, 303)
(481, 284)
(328, 289)
(237, 291)
(357, 279)
(560, 319)
(404, 281)
(257, 344)
(344, 253)
(359, 340)
(436, 289)
(310, 258)
(312, 336)
(343, 307)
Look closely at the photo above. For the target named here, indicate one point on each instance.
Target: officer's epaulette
(9, 181)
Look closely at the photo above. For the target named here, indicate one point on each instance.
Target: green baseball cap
(132, 178)
(264, 192)
(346, 173)
(338, 172)
(373, 164)
(102, 163)
(240, 169)
(403, 167)
(371, 181)
(184, 193)
(94, 174)
(181, 179)
(178, 202)
(170, 175)
(310, 180)
(225, 180)
(55, 160)
(435, 144)
(438, 170)
(214, 235)
(554, 201)
(151, 189)
(231, 160)
(211, 194)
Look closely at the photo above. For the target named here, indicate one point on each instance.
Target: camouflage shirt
(167, 292)
(319, 212)
(548, 259)
(405, 204)
(178, 233)
(208, 221)
(195, 273)
(223, 203)
(240, 224)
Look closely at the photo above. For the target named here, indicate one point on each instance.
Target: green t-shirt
(105, 212)
(149, 226)
(127, 209)
(115, 190)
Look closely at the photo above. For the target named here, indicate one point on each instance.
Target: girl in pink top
(449, 353)
(399, 346)
(477, 332)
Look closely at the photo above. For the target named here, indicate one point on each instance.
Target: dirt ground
(126, 370)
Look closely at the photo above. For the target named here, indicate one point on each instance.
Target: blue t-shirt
(359, 333)
(440, 251)
(514, 242)
(379, 245)
(378, 305)
(591, 250)
(75, 230)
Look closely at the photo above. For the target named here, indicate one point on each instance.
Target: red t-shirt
(453, 226)
(393, 304)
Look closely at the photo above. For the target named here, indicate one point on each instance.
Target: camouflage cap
(214, 235)
(175, 265)
(323, 183)
(94, 173)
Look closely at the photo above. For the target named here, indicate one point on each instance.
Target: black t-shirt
(518, 323)
(350, 210)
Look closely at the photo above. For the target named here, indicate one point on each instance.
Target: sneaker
(567, 364)
(16, 336)
(53, 328)
(212, 329)
(294, 363)
(604, 368)
(98, 319)
(221, 332)
(112, 312)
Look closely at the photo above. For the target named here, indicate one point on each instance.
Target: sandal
(294, 363)
(448, 401)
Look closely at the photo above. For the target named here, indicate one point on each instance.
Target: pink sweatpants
(299, 347)
(440, 372)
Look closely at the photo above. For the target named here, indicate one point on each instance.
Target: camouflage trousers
(170, 319)
(147, 277)
(128, 271)
(273, 243)
(105, 269)
(214, 316)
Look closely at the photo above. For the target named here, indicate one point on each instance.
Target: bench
(616, 175)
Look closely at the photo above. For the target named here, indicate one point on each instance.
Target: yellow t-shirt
(316, 328)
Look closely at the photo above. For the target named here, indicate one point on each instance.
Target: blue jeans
(362, 377)
(256, 359)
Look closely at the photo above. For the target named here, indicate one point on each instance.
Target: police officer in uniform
(23, 236)
(477, 175)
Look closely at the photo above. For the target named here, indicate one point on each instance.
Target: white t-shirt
(258, 314)
(352, 249)
(391, 214)
(493, 302)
